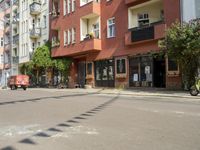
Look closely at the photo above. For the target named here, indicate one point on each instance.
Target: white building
(31, 29)
(190, 10)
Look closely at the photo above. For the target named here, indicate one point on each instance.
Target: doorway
(159, 78)
(104, 73)
(82, 74)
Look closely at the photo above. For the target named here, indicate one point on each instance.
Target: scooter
(195, 89)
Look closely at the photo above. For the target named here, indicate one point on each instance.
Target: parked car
(18, 81)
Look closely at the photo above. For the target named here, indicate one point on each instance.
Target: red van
(18, 81)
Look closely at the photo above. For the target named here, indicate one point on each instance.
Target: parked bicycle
(195, 89)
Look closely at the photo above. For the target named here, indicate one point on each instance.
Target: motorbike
(195, 89)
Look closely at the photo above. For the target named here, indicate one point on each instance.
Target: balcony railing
(15, 2)
(16, 18)
(7, 46)
(35, 8)
(91, 44)
(35, 33)
(134, 2)
(16, 39)
(151, 32)
(92, 7)
(55, 43)
(15, 59)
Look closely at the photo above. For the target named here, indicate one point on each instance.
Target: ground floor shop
(125, 72)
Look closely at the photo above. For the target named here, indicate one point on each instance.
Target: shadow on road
(46, 98)
(55, 129)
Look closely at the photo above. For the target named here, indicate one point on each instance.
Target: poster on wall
(147, 69)
(135, 77)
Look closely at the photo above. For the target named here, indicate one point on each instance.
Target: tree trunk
(37, 76)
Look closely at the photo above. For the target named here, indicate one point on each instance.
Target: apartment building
(1, 46)
(5, 49)
(114, 43)
(190, 10)
(30, 29)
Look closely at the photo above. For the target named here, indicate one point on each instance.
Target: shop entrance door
(159, 78)
(104, 73)
(82, 74)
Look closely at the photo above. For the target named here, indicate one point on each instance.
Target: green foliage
(63, 66)
(182, 42)
(42, 60)
(42, 57)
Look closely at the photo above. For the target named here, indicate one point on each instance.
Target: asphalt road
(60, 120)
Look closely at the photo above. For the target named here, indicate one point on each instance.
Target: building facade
(5, 48)
(190, 10)
(114, 43)
(30, 29)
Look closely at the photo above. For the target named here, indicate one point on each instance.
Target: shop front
(147, 71)
(104, 73)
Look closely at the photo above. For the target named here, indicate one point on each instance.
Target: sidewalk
(128, 92)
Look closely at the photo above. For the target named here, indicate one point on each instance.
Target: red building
(114, 43)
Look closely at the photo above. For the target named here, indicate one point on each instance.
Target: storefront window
(141, 71)
(98, 74)
(105, 71)
(121, 66)
(89, 68)
(172, 65)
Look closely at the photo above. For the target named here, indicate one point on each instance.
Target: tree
(42, 59)
(63, 66)
(182, 43)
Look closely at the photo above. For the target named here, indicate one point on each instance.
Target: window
(68, 6)
(96, 30)
(111, 28)
(1, 59)
(2, 41)
(143, 19)
(89, 68)
(172, 65)
(65, 38)
(121, 66)
(197, 5)
(73, 5)
(68, 37)
(65, 7)
(73, 35)
(45, 21)
(33, 46)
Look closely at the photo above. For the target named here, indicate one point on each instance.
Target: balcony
(15, 2)
(15, 59)
(7, 65)
(151, 32)
(7, 46)
(7, 29)
(134, 2)
(16, 18)
(55, 9)
(35, 8)
(90, 27)
(16, 39)
(92, 8)
(84, 47)
(55, 43)
(90, 45)
(35, 33)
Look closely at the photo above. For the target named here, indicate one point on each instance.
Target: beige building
(5, 41)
